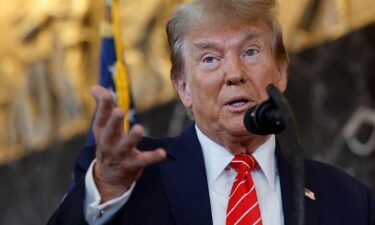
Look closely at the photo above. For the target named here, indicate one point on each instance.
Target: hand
(118, 162)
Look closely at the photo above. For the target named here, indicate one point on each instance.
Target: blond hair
(199, 11)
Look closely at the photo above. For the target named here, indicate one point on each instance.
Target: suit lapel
(286, 174)
(312, 206)
(185, 180)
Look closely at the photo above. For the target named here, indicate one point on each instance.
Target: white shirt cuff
(96, 213)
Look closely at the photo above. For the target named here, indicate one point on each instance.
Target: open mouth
(238, 103)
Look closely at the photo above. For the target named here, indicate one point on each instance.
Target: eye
(209, 62)
(251, 52)
(208, 59)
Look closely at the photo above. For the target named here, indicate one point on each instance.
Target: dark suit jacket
(176, 190)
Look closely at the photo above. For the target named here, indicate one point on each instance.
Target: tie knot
(244, 162)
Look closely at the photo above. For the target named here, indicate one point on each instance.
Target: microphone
(265, 118)
(271, 117)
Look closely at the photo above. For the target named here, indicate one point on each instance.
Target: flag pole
(121, 76)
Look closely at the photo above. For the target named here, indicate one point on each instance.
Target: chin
(237, 128)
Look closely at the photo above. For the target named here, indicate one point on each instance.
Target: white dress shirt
(96, 213)
(220, 178)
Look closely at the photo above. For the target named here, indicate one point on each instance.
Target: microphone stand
(284, 121)
(292, 141)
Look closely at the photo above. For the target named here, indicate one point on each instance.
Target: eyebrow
(251, 35)
(206, 44)
(212, 44)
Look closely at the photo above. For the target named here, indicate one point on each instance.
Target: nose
(235, 72)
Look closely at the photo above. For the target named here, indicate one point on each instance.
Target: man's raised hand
(118, 162)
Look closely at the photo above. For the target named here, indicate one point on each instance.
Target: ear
(282, 76)
(183, 90)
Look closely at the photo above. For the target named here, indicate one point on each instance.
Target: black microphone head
(249, 120)
(264, 119)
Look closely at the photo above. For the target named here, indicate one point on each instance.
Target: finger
(132, 139)
(105, 105)
(150, 157)
(115, 125)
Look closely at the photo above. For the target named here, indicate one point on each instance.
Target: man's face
(226, 72)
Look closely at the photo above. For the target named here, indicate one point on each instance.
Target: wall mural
(48, 60)
(48, 57)
(332, 90)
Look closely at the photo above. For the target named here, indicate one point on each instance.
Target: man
(224, 54)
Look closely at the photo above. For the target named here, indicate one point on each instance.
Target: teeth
(238, 104)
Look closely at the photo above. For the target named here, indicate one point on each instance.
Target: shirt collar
(217, 158)
(265, 156)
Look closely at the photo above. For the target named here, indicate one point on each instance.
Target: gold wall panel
(49, 58)
(146, 50)
(309, 22)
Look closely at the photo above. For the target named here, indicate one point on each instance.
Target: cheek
(258, 78)
(265, 75)
(207, 86)
(205, 96)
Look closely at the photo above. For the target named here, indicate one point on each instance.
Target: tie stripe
(240, 161)
(236, 187)
(243, 208)
(238, 202)
(246, 213)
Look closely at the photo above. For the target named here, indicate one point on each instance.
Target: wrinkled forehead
(204, 16)
(226, 32)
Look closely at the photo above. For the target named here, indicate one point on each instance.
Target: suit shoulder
(339, 190)
(327, 172)
(332, 178)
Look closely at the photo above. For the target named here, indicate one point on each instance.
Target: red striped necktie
(243, 205)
